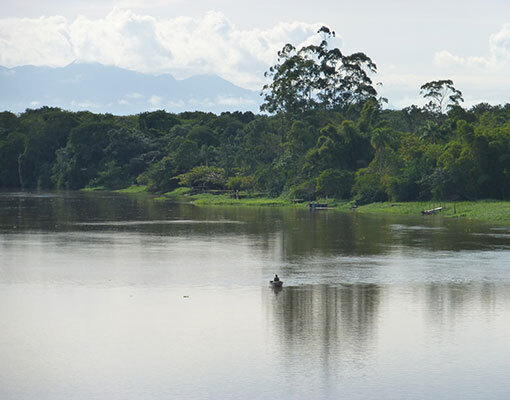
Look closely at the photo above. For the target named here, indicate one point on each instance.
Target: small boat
(432, 211)
(318, 206)
(276, 284)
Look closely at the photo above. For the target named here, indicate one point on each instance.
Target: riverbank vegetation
(323, 133)
(493, 211)
(483, 210)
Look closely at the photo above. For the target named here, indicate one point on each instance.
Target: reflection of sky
(360, 341)
(394, 341)
(183, 310)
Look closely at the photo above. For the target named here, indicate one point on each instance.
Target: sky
(412, 42)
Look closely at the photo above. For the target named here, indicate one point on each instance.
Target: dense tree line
(362, 151)
(324, 133)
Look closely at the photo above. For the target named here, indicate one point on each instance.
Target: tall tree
(441, 94)
(380, 140)
(289, 88)
(316, 76)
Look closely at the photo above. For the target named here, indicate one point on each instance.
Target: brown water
(106, 296)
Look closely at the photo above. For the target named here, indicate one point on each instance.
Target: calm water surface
(106, 296)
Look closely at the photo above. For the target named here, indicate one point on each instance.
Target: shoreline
(491, 211)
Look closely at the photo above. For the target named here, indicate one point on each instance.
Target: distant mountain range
(100, 88)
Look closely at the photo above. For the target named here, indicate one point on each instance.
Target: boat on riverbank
(318, 206)
(432, 211)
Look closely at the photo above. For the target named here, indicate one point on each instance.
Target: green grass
(93, 189)
(133, 189)
(222, 200)
(406, 208)
(209, 199)
(182, 191)
(483, 210)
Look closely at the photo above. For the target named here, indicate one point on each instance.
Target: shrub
(335, 183)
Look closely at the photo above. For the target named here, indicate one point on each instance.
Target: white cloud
(84, 105)
(233, 101)
(173, 105)
(480, 78)
(155, 100)
(41, 41)
(144, 4)
(500, 44)
(182, 46)
(497, 59)
(444, 58)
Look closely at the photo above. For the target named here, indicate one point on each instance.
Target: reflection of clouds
(401, 227)
(494, 235)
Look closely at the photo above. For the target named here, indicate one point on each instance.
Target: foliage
(203, 177)
(441, 94)
(366, 152)
(317, 77)
(242, 183)
(329, 136)
(305, 190)
(368, 187)
(134, 189)
(335, 183)
(485, 210)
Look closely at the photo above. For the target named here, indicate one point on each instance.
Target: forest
(323, 131)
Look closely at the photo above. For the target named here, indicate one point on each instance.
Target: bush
(368, 188)
(160, 177)
(241, 183)
(204, 177)
(305, 190)
(335, 183)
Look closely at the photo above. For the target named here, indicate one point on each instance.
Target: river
(111, 296)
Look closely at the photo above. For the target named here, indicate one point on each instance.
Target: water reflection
(445, 304)
(363, 341)
(126, 295)
(298, 233)
(331, 320)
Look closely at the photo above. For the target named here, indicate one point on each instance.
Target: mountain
(100, 88)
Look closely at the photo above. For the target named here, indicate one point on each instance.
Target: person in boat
(276, 278)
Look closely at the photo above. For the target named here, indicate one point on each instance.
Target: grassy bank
(483, 210)
(133, 189)
(130, 189)
(209, 199)
(93, 189)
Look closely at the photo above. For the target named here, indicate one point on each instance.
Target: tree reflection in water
(331, 322)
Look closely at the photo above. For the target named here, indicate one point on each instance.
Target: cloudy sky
(411, 41)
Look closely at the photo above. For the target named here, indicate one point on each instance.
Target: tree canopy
(317, 77)
(323, 132)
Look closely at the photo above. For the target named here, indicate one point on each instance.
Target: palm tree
(380, 140)
(431, 132)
